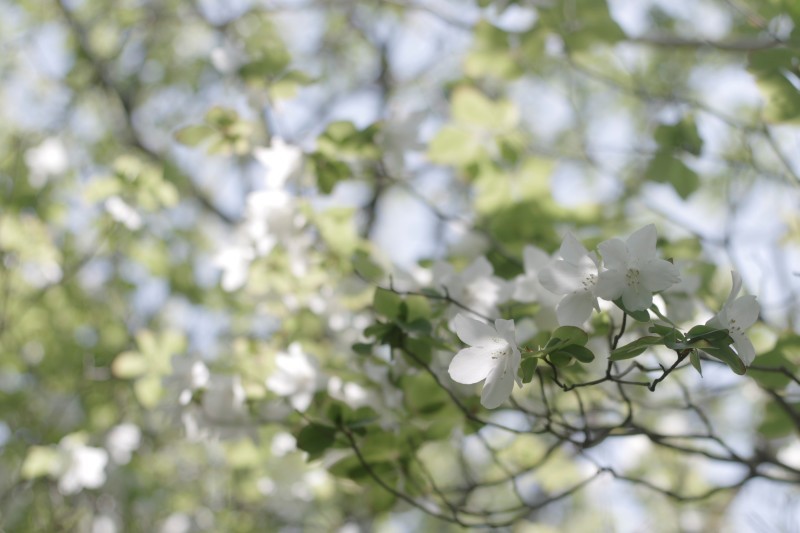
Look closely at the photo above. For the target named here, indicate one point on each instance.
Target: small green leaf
(362, 348)
(194, 135)
(707, 333)
(571, 335)
(724, 354)
(315, 438)
(694, 358)
(581, 353)
(527, 369)
(387, 303)
(634, 348)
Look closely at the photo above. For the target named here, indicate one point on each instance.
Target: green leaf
(775, 359)
(315, 438)
(707, 333)
(776, 422)
(571, 335)
(581, 353)
(420, 348)
(634, 348)
(724, 354)
(194, 135)
(454, 146)
(528, 368)
(362, 348)
(329, 171)
(694, 358)
(387, 303)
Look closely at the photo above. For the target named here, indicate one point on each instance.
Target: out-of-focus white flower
(235, 264)
(283, 443)
(296, 377)
(575, 277)
(736, 315)
(222, 412)
(634, 272)
(353, 394)
(493, 355)
(188, 375)
(123, 213)
(476, 287)
(122, 441)
(83, 467)
(48, 159)
(283, 161)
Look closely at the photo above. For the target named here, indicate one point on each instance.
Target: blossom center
(632, 278)
(501, 348)
(589, 281)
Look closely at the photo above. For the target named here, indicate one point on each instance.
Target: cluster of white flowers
(628, 272)
(272, 217)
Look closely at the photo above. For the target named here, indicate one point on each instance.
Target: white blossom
(476, 287)
(634, 272)
(296, 377)
(83, 467)
(235, 265)
(123, 213)
(736, 315)
(575, 277)
(283, 161)
(493, 355)
(122, 441)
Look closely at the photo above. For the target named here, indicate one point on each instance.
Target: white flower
(634, 272)
(297, 377)
(736, 316)
(122, 441)
(475, 287)
(493, 355)
(83, 466)
(282, 160)
(123, 213)
(222, 412)
(235, 265)
(574, 276)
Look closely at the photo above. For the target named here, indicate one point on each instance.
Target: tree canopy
(399, 265)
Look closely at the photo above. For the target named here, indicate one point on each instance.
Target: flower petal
(642, 242)
(736, 286)
(615, 254)
(480, 268)
(658, 275)
(499, 384)
(743, 347)
(473, 332)
(534, 259)
(561, 277)
(574, 309)
(505, 328)
(610, 284)
(637, 300)
(471, 365)
(571, 249)
(744, 311)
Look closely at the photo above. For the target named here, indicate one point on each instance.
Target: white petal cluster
(574, 276)
(82, 466)
(297, 377)
(634, 272)
(629, 270)
(736, 315)
(493, 355)
(476, 287)
(272, 217)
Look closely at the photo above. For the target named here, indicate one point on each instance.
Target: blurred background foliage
(150, 299)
